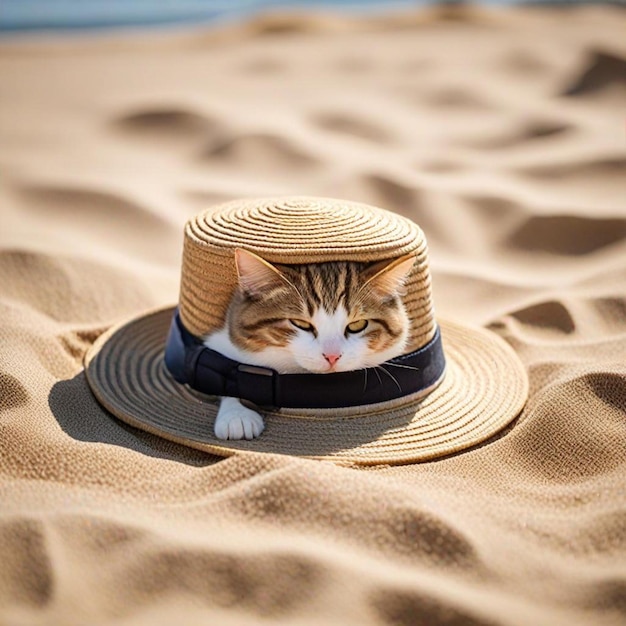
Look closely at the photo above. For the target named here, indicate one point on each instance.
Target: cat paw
(235, 421)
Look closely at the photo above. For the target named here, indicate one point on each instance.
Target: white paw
(235, 421)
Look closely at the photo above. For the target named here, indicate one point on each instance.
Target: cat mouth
(335, 368)
(326, 370)
(329, 369)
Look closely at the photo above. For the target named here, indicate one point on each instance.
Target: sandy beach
(501, 133)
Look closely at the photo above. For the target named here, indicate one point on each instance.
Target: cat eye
(302, 325)
(356, 327)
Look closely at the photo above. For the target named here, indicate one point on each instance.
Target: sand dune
(501, 134)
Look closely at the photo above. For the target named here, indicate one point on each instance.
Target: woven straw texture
(292, 231)
(483, 390)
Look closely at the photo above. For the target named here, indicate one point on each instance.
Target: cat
(321, 318)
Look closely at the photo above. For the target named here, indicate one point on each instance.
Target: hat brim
(483, 389)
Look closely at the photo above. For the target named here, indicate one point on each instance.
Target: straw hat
(482, 389)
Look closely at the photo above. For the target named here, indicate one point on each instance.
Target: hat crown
(296, 230)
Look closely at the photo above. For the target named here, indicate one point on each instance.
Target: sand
(501, 134)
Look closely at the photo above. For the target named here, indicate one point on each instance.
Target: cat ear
(256, 276)
(387, 278)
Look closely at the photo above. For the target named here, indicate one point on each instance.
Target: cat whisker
(406, 367)
(365, 381)
(390, 376)
(380, 380)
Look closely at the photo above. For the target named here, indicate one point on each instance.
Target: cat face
(322, 318)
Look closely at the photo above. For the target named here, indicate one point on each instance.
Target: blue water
(34, 15)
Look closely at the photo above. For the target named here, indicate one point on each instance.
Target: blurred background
(21, 15)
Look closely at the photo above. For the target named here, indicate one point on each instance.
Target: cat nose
(332, 358)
